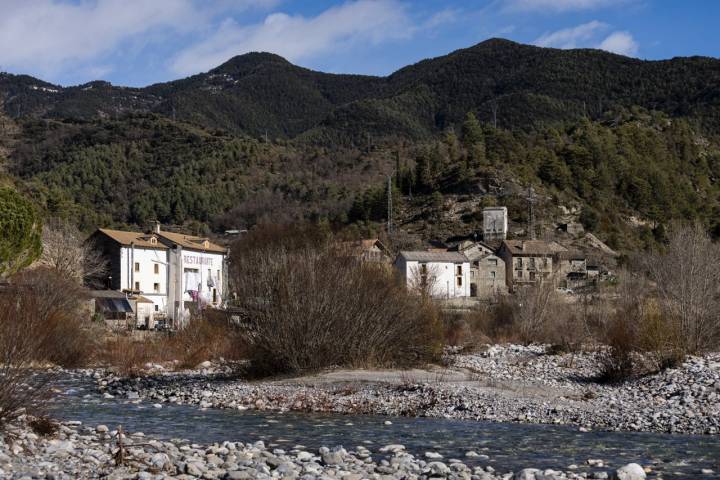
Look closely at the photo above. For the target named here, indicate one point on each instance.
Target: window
(459, 281)
(137, 286)
(209, 273)
(214, 296)
(492, 261)
(137, 266)
(459, 269)
(532, 276)
(519, 264)
(157, 308)
(157, 269)
(423, 268)
(492, 275)
(532, 262)
(519, 274)
(156, 287)
(153, 240)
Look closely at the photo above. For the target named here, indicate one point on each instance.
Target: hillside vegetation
(503, 82)
(258, 139)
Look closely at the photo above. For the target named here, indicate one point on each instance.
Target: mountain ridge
(501, 81)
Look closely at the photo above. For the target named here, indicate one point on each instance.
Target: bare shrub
(305, 308)
(65, 335)
(533, 309)
(19, 386)
(687, 280)
(209, 337)
(206, 337)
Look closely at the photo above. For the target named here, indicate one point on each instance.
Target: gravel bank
(504, 383)
(76, 451)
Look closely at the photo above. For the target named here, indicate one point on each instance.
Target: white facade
(145, 270)
(441, 274)
(197, 278)
(178, 273)
(495, 223)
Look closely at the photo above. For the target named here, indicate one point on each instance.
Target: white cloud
(558, 5)
(587, 36)
(442, 17)
(620, 42)
(46, 36)
(571, 37)
(297, 37)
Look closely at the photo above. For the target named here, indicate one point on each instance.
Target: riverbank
(76, 451)
(503, 384)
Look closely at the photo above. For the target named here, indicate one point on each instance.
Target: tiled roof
(533, 247)
(139, 239)
(447, 257)
(192, 242)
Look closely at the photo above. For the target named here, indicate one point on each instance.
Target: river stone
(631, 471)
(331, 458)
(56, 446)
(527, 474)
(102, 429)
(433, 456)
(304, 456)
(239, 475)
(438, 468)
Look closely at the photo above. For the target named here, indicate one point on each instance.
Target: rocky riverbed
(502, 383)
(76, 451)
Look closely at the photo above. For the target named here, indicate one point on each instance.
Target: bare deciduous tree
(534, 305)
(687, 278)
(423, 280)
(66, 251)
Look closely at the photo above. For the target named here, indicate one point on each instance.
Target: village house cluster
(159, 277)
(495, 266)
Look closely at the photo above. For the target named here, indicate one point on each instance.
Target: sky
(140, 42)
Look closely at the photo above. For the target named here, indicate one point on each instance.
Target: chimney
(156, 229)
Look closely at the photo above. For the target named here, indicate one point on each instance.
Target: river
(509, 446)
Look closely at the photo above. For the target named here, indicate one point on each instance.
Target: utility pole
(389, 206)
(531, 199)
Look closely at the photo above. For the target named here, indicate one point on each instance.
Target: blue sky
(139, 42)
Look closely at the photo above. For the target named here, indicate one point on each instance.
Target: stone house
(529, 261)
(487, 270)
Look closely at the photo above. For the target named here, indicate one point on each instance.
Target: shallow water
(510, 446)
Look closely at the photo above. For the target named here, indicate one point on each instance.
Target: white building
(198, 273)
(441, 274)
(176, 272)
(495, 223)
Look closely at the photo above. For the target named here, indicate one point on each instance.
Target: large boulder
(631, 471)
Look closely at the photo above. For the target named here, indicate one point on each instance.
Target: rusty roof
(139, 239)
(192, 242)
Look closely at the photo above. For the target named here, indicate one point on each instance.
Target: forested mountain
(630, 144)
(512, 85)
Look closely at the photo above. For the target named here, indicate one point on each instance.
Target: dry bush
(127, 355)
(687, 279)
(210, 337)
(40, 322)
(66, 337)
(533, 309)
(305, 308)
(640, 337)
(19, 386)
(207, 337)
